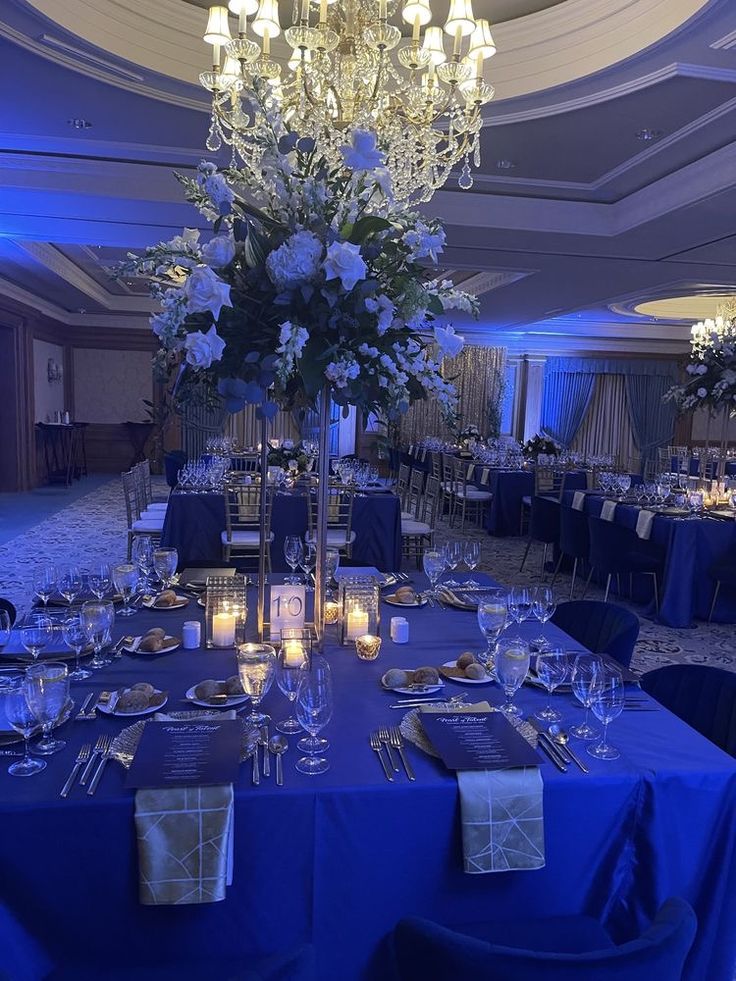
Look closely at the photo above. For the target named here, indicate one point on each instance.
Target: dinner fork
(397, 741)
(100, 747)
(104, 757)
(82, 757)
(376, 746)
(385, 737)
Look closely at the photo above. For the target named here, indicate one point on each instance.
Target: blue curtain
(652, 420)
(565, 401)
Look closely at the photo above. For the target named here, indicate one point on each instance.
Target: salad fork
(101, 746)
(397, 741)
(377, 746)
(385, 737)
(82, 757)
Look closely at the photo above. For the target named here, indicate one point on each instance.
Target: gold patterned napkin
(501, 813)
(185, 841)
(608, 511)
(644, 523)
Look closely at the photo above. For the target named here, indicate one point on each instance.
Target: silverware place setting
(388, 738)
(82, 758)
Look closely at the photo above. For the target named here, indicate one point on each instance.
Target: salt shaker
(399, 630)
(192, 634)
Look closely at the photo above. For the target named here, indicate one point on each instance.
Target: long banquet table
(195, 522)
(336, 860)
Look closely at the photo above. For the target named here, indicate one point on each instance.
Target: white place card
(288, 607)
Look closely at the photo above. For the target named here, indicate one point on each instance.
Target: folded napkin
(484, 475)
(644, 523)
(185, 841)
(608, 510)
(578, 500)
(501, 813)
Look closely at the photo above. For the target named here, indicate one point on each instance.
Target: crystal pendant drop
(214, 142)
(465, 181)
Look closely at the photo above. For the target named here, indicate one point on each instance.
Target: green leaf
(434, 305)
(367, 226)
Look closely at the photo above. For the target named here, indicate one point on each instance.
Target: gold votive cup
(367, 647)
(331, 611)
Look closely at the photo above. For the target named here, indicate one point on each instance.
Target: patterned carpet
(92, 528)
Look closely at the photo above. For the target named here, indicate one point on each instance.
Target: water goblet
(76, 637)
(22, 719)
(44, 584)
(98, 619)
(520, 603)
(100, 580)
(471, 558)
(512, 667)
(434, 565)
(453, 553)
(291, 657)
(492, 619)
(607, 703)
(293, 549)
(257, 669)
(36, 635)
(307, 563)
(125, 580)
(314, 711)
(584, 674)
(543, 608)
(47, 693)
(142, 553)
(69, 583)
(165, 561)
(552, 670)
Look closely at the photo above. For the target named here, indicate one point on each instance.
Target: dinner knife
(546, 743)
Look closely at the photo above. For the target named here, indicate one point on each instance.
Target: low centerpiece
(540, 445)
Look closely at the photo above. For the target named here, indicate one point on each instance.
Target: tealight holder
(226, 611)
(331, 611)
(368, 647)
(296, 645)
(359, 604)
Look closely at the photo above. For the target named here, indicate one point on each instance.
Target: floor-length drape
(652, 419)
(565, 401)
(606, 427)
(246, 428)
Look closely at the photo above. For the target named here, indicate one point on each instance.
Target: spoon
(561, 737)
(278, 745)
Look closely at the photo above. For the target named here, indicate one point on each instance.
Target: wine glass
(36, 635)
(607, 703)
(6, 628)
(552, 670)
(453, 552)
(307, 563)
(69, 583)
(585, 670)
(257, 668)
(543, 608)
(293, 549)
(76, 637)
(98, 619)
(492, 619)
(332, 563)
(22, 719)
(314, 711)
(520, 603)
(434, 565)
(512, 667)
(471, 558)
(142, 553)
(125, 580)
(44, 584)
(100, 580)
(47, 693)
(165, 562)
(291, 657)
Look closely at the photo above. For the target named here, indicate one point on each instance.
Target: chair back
(142, 474)
(430, 502)
(603, 628)
(448, 471)
(544, 521)
(574, 534)
(702, 696)
(402, 484)
(436, 466)
(416, 488)
(133, 504)
(244, 462)
(339, 512)
(549, 481)
(243, 508)
(462, 473)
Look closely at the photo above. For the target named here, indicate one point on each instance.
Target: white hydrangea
(296, 262)
(384, 310)
(423, 243)
(341, 372)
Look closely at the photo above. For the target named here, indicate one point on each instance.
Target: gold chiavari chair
(242, 534)
(139, 522)
(468, 499)
(417, 532)
(340, 534)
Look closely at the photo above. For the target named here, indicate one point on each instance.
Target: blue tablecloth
(195, 522)
(691, 546)
(336, 860)
(509, 488)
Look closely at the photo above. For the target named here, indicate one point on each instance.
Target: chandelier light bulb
(266, 23)
(434, 43)
(482, 44)
(299, 58)
(460, 19)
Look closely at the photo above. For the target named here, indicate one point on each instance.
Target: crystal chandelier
(350, 70)
(713, 334)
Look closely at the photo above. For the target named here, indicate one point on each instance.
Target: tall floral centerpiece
(313, 287)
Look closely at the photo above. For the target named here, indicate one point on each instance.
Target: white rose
(344, 262)
(288, 444)
(362, 153)
(203, 349)
(219, 251)
(449, 342)
(206, 291)
(702, 392)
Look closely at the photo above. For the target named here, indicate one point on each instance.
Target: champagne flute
(307, 563)
(314, 711)
(543, 608)
(76, 636)
(434, 565)
(22, 719)
(293, 549)
(492, 619)
(125, 579)
(100, 580)
(47, 693)
(471, 558)
(552, 670)
(453, 552)
(512, 667)
(36, 635)
(44, 584)
(165, 562)
(69, 583)
(291, 657)
(584, 676)
(607, 702)
(98, 619)
(256, 668)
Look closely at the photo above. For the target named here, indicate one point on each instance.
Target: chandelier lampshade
(460, 18)
(218, 26)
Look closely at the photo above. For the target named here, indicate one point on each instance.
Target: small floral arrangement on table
(711, 369)
(467, 436)
(314, 277)
(291, 457)
(540, 445)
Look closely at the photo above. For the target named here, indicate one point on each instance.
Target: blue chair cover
(574, 534)
(603, 628)
(544, 523)
(614, 549)
(424, 950)
(702, 696)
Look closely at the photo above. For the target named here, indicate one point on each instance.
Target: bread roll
(426, 676)
(144, 687)
(151, 643)
(131, 701)
(208, 688)
(167, 598)
(466, 658)
(156, 632)
(396, 678)
(476, 672)
(233, 686)
(406, 595)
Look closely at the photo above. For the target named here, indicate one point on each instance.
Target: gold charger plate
(125, 744)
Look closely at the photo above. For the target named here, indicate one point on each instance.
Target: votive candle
(331, 611)
(367, 647)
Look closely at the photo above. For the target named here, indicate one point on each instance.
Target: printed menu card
(187, 754)
(477, 741)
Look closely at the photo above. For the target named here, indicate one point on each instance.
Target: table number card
(288, 607)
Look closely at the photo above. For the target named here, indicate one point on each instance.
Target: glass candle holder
(331, 611)
(368, 647)
(359, 607)
(226, 611)
(296, 645)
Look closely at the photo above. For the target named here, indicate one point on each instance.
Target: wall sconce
(54, 370)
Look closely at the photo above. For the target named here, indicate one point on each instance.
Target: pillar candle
(223, 629)
(357, 623)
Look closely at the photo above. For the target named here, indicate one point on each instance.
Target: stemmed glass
(293, 549)
(471, 558)
(314, 711)
(434, 565)
(47, 692)
(6, 628)
(520, 603)
(607, 703)
(165, 561)
(257, 669)
(307, 563)
(552, 670)
(36, 635)
(44, 584)
(492, 619)
(543, 608)
(512, 667)
(332, 563)
(453, 552)
(585, 671)
(75, 637)
(69, 583)
(290, 661)
(98, 619)
(22, 719)
(142, 553)
(125, 580)
(100, 580)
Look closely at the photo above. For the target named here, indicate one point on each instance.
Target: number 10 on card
(288, 607)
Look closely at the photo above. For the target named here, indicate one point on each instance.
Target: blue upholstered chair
(723, 572)
(574, 541)
(615, 550)
(560, 949)
(544, 526)
(7, 607)
(703, 697)
(601, 627)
